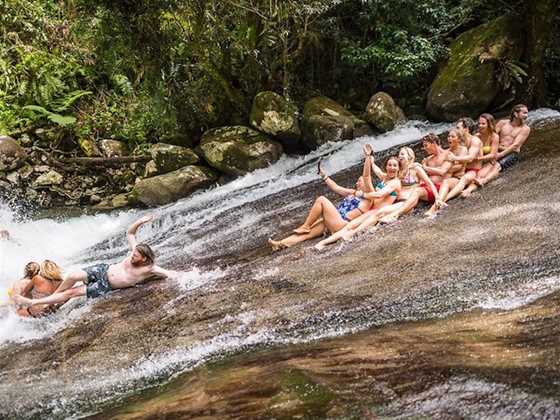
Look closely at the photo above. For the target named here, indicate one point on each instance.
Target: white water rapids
(69, 241)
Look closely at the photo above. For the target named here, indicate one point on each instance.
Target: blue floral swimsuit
(347, 205)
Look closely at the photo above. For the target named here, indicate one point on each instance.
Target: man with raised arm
(100, 279)
(513, 134)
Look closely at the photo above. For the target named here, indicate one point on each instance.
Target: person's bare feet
(432, 212)
(22, 301)
(302, 230)
(320, 246)
(466, 193)
(276, 245)
(391, 218)
(348, 235)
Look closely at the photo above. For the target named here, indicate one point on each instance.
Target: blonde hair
(460, 134)
(51, 271)
(31, 269)
(411, 158)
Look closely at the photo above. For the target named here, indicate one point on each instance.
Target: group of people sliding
(43, 288)
(471, 160)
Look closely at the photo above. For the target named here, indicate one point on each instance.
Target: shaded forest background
(167, 70)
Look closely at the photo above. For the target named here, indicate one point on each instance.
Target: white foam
(513, 299)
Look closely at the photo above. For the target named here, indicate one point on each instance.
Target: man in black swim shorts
(100, 279)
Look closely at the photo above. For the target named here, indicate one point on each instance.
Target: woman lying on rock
(38, 282)
(324, 215)
(411, 176)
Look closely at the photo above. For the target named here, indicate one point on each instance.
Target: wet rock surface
(502, 243)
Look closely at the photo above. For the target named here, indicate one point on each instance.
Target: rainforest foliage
(166, 70)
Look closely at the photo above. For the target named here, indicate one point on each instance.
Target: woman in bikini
(490, 141)
(411, 176)
(41, 285)
(324, 215)
(31, 270)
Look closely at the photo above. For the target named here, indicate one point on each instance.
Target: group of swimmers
(471, 160)
(43, 287)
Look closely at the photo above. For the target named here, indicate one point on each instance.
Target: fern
(61, 120)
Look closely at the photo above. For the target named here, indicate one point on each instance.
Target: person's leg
(316, 231)
(71, 279)
(407, 206)
(461, 185)
(58, 297)
(350, 226)
(492, 174)
(313, 215)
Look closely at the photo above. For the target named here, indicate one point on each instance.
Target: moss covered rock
(468, 83)
(89, 147)
(325, 120)
(274, 115)
(169, 158)
(383, 113)
(163, 189)
(113, 148)
(237, 150)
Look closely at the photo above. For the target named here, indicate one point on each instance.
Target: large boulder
(12, 155)
(468, 83)
(168, 157)
(11, 148)
(383, 113)
(163, 189)
(273, 114)
(237, 150)
(325, 120)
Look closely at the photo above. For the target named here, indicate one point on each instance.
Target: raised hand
(368, 150)
(320, 170)
(145, 219)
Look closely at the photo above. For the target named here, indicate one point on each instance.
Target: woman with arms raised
(324, 215)
(411, 175)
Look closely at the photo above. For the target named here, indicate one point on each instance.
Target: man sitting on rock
(100, 279)
(513, 133)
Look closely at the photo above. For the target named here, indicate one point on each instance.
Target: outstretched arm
(471, 155)
(391, 186)
(441, 171)
(162, 273)
(493, 149)
(131, 232)
(333, 186)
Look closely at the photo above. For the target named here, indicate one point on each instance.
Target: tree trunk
(540, 15)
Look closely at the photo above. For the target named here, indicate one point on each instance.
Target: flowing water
(235, 297)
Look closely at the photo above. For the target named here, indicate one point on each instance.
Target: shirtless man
(513, 134)
(453, 186)
(438, 169)
(100, 279)
(18, 288)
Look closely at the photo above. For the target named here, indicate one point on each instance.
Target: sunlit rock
(274, 115)
(163, 189)
(383, 113)
(237, 150)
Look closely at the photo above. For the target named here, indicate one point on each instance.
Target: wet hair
(31, 269)
(467, 123)
(146, 252)
(490, 121)
(50, 270)
(515, 110)
(459, 134)
(431, 138)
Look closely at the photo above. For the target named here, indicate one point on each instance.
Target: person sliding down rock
(101, 279)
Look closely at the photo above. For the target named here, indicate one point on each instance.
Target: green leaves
(61, 120)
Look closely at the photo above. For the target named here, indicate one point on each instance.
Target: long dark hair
(146, 252)
(490, 120)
